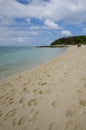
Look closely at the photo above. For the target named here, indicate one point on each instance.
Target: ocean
(14, 59)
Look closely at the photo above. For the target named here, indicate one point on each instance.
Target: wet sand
(50, 97)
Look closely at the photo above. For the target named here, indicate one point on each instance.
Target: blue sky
(39, 22)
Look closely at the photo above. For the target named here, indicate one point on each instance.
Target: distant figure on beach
(79, 45)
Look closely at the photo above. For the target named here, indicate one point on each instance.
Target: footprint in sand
(11, 101)
(22, 99)
(40, 92)
(0, 113)
(26, 83)
(37, 91)
(53, 126)
(20, 121)
(82, 102)
(25, 89)
(48, 75)
(34, 116)
(32, 102)
(69, 113)
(54, 104)
(45, 91)
(79, 92)
(9, 84)
(42, 84)
(4, 90)
(85, 85)
(1, 97)
(83, 79)
(5, 96)
(11, 113)
(6, 99)
(65, 73)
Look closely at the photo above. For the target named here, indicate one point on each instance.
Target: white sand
(50, 97)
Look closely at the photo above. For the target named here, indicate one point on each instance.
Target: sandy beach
(49, 97)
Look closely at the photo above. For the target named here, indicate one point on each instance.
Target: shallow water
(15, 59)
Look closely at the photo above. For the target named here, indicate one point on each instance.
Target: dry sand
(50, 97)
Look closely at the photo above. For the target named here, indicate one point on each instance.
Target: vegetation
(73, 40)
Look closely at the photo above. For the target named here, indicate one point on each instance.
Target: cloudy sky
(39, 22)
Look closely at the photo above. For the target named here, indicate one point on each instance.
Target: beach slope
(50, 97)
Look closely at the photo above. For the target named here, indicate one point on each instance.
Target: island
(71, 40)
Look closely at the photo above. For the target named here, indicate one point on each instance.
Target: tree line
(72, 40)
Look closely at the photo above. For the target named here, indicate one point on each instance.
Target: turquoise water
(17, 59)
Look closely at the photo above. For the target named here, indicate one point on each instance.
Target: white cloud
(36, 27)
(66, 33)
(51, 25)
(15, 35)
(20, 39)
(56, 10)
(51, 12)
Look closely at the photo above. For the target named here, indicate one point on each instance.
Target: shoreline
(34, 68)
(49, 97)
(14, 68)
